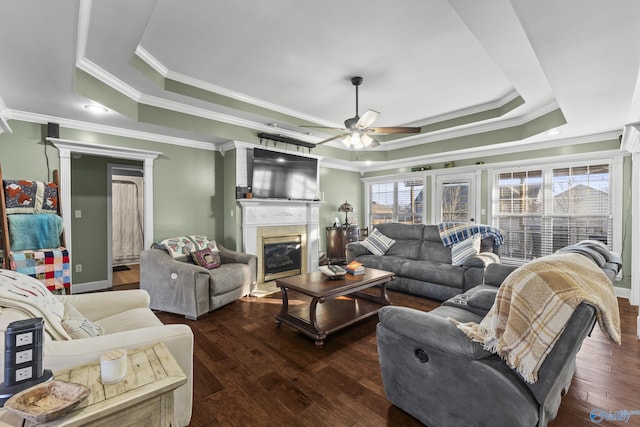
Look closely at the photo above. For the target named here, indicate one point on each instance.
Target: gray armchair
(183, 287)
(433, 371)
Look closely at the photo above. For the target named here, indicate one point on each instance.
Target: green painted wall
(339, 186)
(194, 189)
(24, 153)
(187, 189)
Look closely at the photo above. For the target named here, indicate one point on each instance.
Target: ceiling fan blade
(329, 139)
(396, 129)
(367, 119)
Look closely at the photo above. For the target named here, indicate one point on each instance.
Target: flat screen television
(279, 175)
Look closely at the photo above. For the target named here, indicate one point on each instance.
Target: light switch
(78, 213)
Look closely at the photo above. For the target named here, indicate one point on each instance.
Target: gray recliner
(433, 371)
(183, 287)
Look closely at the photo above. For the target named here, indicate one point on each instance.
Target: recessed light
(273, 125)
(96, 108)
(551, 132)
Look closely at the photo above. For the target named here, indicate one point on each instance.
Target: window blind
(540, 211)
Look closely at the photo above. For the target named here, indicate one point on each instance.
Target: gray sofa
(422, 263)
(183, 287)
(433, 371)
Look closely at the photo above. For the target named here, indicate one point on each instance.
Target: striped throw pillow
(465, 249)
(377, 243)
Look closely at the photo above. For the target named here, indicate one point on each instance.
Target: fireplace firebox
(282, 256)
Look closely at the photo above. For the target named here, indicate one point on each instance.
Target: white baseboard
(78, 288)
(622, 292)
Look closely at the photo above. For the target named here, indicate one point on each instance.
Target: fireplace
(282, 256)
(295, 221)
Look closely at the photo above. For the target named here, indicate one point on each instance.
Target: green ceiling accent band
(563, 150)
(212, 97)
(147, 70)
(176, 120)
(465, 120)
(95, 89)
(98, 91)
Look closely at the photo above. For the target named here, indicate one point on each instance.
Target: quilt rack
(32, 237)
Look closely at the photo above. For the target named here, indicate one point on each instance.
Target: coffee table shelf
(334, 304)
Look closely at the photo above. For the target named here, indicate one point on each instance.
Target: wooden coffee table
(334, 305)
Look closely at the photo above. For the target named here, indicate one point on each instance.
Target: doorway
(125, 222)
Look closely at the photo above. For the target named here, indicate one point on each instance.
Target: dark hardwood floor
(249, 372)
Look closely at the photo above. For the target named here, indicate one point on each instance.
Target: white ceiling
(423, 61)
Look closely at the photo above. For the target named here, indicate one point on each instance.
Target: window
(540, 211)
(398, 201)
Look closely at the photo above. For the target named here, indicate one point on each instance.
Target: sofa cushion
(228, 277)
(409, 249)
(435, 272)
(465, 249)
(378, 243)
(386, 263)
(401, 231)
(136, 318)
(434, 251)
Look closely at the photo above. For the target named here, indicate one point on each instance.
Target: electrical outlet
(24, 339)
(24, 356)
(78, 268)
(24, 373)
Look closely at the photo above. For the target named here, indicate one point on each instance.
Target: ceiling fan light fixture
(346, 140)
(366, 140)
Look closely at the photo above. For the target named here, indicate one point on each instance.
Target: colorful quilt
(50, 266)
(454, 232)
(28, 197)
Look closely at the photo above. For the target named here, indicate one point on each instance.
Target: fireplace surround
(274, 218)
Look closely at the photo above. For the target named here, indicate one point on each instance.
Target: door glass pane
(455, 201)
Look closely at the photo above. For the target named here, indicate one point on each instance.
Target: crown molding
(498, 149)
(161, 69)
(112, 130)
(4, 116)
(468, 129)
(103, 150)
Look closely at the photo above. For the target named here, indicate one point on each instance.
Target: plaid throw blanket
(454, 232)
(534, 304)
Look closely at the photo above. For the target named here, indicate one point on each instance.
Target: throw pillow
(78, 326)
(377, 243)
(206, 258)
(465, 249)
(180, 248)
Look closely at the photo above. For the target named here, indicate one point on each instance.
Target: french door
(455, 197)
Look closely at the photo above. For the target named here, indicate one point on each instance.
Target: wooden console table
(144, 397)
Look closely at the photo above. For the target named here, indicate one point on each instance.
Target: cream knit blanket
(31, 296)
(534, 304)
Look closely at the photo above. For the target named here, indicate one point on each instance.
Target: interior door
(455, 197)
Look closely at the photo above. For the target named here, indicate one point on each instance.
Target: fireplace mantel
(260, 214)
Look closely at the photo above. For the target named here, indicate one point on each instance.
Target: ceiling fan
(357, 132)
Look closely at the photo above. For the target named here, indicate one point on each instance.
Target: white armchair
(127, 322)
